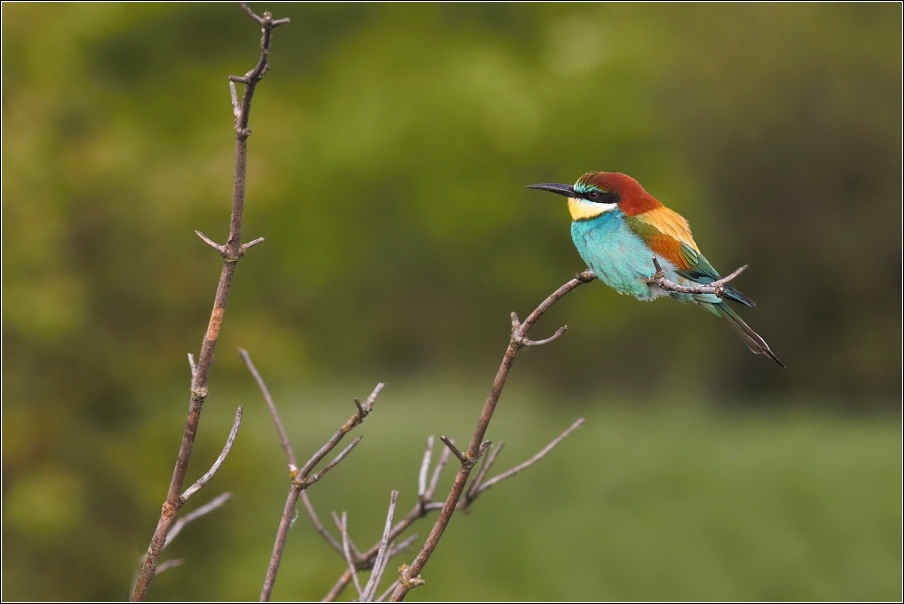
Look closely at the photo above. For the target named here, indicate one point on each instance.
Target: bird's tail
(753, 340)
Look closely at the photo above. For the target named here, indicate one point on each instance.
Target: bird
(619, 228)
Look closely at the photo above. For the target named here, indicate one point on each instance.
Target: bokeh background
(391, 148)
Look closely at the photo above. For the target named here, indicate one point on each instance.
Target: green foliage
(391, 147)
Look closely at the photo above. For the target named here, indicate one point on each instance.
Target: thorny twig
(231, 252)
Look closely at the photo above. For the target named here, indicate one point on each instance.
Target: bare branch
(207, 508)
(282, 533)
(317, 476)
(716, 288)
(434, 480)
(409, 577)
(342, 525)
(451, 444)
(553, 338)
(317, 524)
(301, 481)
(398, 549)
(251, 244)
(236, 108)
(338, 587)
(530, 461)
(170, 564)
(370, 590)
(388, 591)
(231, 252)
(283, 437)
(425, 466)
(211, 242)
(361, 412)
(250, 12)
(216, 465)
(485, 466)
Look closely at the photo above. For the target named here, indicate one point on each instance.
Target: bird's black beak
(566, 190)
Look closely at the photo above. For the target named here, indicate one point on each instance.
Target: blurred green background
(391, 147)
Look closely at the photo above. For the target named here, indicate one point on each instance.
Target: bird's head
(596, 193)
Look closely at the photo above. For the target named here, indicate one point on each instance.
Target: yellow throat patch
(581, 209)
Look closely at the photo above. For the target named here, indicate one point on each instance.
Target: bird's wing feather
(668, 234)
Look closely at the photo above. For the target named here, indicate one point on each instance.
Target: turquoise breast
(619, 258)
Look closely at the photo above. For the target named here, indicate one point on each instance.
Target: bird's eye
(593, 194)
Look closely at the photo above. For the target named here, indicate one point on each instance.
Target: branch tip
(251, 244)
(250, 12)
(483, 487)
(170, 564)
(210, 242)
(451, 444)
(216, 465)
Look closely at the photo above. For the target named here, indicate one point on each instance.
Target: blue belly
(618, 257)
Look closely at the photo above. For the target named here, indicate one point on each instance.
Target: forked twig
(301, 479)
(425, 505)
(409, 576)
(477, 488)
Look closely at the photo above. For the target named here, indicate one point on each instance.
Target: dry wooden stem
(207, 508)
(342, 525)
(409, 575)
(479, 487)
(180, 524)
(425, 504)
(302, 478)
(274, 414)
(425, 467)
(231, 252)
(370, 590)
(199, 484)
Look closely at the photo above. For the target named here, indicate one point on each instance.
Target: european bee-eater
(619, 228)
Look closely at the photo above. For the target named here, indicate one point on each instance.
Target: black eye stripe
(597, 196)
